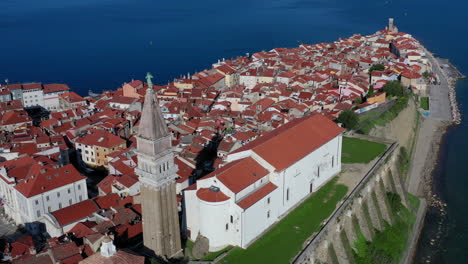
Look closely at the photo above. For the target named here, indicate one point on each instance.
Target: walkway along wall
(364, 210)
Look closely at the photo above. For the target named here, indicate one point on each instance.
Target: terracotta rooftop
(291, 142)
(75, 212)
(257, 196)
(211, 195)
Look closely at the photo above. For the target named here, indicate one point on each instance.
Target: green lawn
(286, 239)
(210, 256)
(365, 117)
(357, 150)
(386, 116)
(425, 103)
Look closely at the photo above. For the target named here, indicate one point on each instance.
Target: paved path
(439, 102)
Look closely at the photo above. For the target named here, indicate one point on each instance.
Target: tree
(348, 118)
(370, 93)
(358, 100)
(393, 88)
(376, 67)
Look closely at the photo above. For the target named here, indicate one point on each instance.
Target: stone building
(157, 174)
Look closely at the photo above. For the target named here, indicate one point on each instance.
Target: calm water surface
(99, 44)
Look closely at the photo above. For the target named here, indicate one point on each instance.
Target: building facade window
(37, 202)
(38, 213)
(58, 195)
(70, 202)
(268, 200)
(47, 197)
(232, 219)
(60, 205)
(268, 214)
(227, 226)
(287, 194)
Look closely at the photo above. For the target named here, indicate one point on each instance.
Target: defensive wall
(364, 210)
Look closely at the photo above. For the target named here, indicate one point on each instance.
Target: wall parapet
(307, 254)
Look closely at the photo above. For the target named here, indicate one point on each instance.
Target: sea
(100, 44)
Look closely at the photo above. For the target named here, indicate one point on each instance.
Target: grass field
(285, 239)
(386, 117)
(425, 103)
(357, 150)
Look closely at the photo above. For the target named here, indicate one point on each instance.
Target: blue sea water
(99, 44)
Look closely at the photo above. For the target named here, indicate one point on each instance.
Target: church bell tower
(157, 173)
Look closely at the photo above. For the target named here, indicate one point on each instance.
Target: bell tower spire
(157, 173)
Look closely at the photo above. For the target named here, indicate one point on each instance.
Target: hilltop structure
(157, 174)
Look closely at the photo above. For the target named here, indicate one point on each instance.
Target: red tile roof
(101, 138)
(108, 201)
(81, 230)
(64, 251)
(257, 195)
(239, 174)
(75, 212)
(291, 142)
(55, 87)
(47, 179)
(209, 195)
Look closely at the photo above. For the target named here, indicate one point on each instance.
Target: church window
(60, 205)
(37, 202)
(318, 171)
(227, 226)
(58, 195)
(287, 194)
(160, 169)
(310, 187)
(232, 219)
(333, 161)
(268, 200)
(79, 187)
(268, 214)
(38, 213)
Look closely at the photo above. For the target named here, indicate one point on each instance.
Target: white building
(33, 95)
(263, 181)
(52, 94)
(30, 189)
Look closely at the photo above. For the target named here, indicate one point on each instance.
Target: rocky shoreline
(432, 157)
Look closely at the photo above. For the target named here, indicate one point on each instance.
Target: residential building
(52, 94)
(31, 188)
(94, 147)
(33, 95)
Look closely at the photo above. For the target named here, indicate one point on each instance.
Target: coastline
(426, 176)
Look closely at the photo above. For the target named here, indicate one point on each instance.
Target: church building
(262, 181)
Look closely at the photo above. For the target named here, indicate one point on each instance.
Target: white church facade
(262, 181)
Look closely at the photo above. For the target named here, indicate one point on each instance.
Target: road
(439, 101)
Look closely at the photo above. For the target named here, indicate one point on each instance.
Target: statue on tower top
(149, 76)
